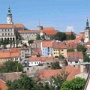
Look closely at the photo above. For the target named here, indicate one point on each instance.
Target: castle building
(8, 30)
(87, 32)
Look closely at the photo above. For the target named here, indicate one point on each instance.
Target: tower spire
(9, 16)
(87, 24)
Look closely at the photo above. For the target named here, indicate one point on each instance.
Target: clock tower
(87, 32)
(9, 16)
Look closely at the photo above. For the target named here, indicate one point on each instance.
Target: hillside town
(43, 53)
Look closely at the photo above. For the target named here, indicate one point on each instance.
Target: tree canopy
(11, 66)
(81, 48)
(55, 65)
(38, 37)
(70, 50)
(30, 41)
(56, 83)
(71, 36)
(61, 36)
(74, 84)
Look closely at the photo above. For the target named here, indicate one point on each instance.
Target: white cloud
(70, 28)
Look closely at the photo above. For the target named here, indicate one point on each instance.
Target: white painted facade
(75, 62)
(34, 63)
(7, 33)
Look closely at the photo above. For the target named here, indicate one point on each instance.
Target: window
(76, 61)
(2, 34)
(27, 68)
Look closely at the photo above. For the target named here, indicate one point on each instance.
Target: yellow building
(56, 52)
(59, 48)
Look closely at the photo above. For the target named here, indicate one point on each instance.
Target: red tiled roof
(8, 54)
(16, 49)
(43, 59)
(59, 45)
(19, 26)
(40, 58)
(29, 31)
(38, 50)
(47, 43)
(45, 74)
(75, 54)
(50, 31)
(71, 45)
(2, 85)
(6, 26)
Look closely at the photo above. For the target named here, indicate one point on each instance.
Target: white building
(74, 58)
(34, 61)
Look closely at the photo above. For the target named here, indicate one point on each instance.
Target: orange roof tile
(2, 85)
(48, 28)
(43, 59)
(75, 54)
(38, 50)
(59, 45)
(15, 49)
(50, 31)
(29, 31)
(6, 26)
(8, 54)
(47, 43)
(19, 26)
(71, 45)
(45, 74)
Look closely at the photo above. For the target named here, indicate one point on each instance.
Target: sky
(60, 14)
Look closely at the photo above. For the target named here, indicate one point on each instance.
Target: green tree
(59, 80)
(86, 58)
(55, 65)
(81, 48)
(61, 57)
(60, 36)
(74, 84)
(24, 83)
(17, 42)
(17, 35)
(11, 66)
(71, 36)
(30, 41)
(70, 50)
(5, 42)
(38, 37)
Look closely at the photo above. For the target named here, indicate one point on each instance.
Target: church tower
(87, 32)
(9, 16)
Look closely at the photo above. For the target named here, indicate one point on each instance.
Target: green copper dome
(87, 24)
(9, 11)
